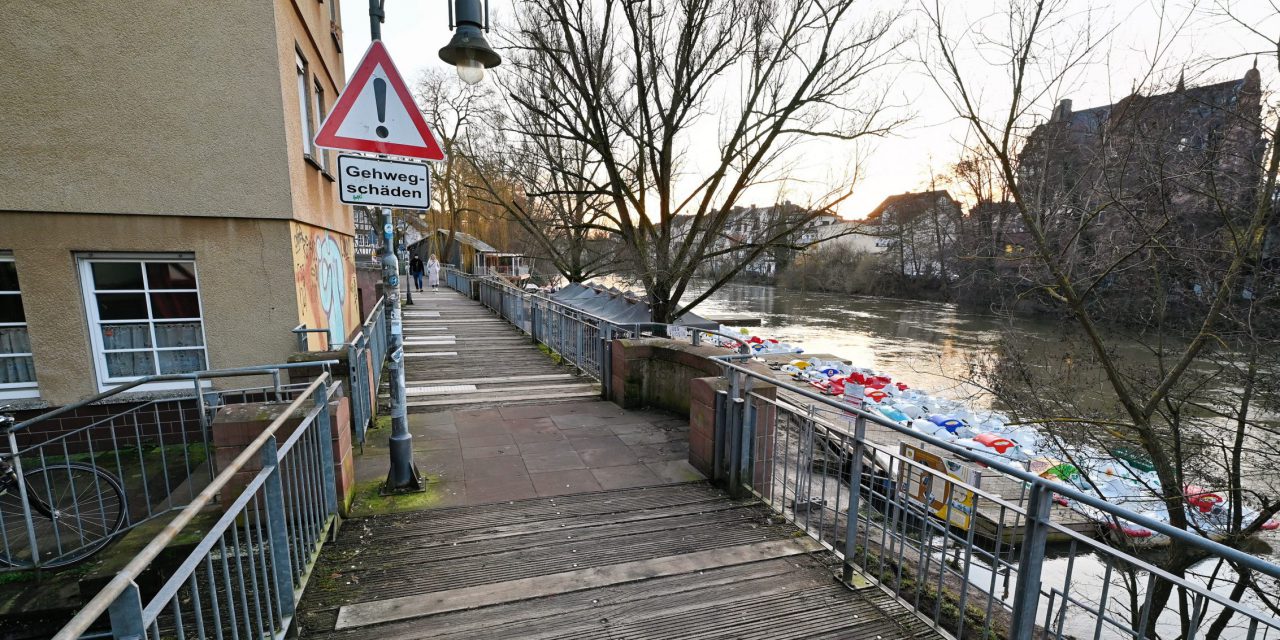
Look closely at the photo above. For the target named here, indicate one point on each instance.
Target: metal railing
(580, 339)
(159, 452)
(301, 333)
(366, 355)
(970, 561)
(463, 283)
(245, 575)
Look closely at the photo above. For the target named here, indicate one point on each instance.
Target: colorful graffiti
(326, 283)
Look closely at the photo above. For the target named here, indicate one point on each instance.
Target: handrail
(1232, 555)
(100, 603)
(169, 377)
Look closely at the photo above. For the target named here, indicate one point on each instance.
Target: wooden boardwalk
(559, 515)
(458, 354)
(672, 561)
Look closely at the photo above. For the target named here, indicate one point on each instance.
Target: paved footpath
(556, 515)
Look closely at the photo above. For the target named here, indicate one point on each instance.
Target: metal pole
(855, 493)
(408, 281)
(1031, 563)
(403, 474)
(376, 16)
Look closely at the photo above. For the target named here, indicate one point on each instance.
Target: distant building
(919, 229)
(1182, 164)
(748, 227)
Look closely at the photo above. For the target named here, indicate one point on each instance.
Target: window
(304, 103)
(144, 316)
(322, 156)
(17, 367)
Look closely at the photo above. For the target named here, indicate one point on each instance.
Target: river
(929, 345)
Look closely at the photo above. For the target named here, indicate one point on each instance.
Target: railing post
(855, 493)
(277, 531)
(326, 447)
(577, 352)
(126, 615)
(746, 455)
(1031, 562)
(733, 431)
(606, 360)
(16, 461)
(721, 429)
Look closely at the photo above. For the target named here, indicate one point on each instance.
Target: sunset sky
(416, 29)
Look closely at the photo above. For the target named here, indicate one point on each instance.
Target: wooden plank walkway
(453, 340)
(559, 519)
(671, 561)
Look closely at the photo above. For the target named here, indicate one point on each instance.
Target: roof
(913, 203)
(469, 240)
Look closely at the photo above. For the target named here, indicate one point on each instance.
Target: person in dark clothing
(416, 269)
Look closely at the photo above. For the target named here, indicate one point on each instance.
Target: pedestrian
(415, 268)
(433, 272)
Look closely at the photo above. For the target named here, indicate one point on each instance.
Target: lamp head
(470, 53)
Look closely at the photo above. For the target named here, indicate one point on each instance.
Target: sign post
(376, 113)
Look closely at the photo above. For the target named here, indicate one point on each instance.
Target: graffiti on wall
(326, 283)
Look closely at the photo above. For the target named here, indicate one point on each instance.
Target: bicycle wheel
(75, 510)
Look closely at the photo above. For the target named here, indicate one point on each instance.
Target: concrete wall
(142, 107)
(658, 373)
(244, 267)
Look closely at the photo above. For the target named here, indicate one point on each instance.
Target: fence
(463, 283)
(129, 464)
(244, 577)
(971, 562)
(580, 339)
(366, 355)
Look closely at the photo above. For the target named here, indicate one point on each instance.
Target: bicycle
(76, 509)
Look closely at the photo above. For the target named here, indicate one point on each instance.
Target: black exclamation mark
(380, 97)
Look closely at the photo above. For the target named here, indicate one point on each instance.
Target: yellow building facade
(163, 208)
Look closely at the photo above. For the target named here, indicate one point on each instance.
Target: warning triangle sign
(376, 113)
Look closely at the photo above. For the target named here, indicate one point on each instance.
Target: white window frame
(304, 103)
(84, 263)
(17, 390)
(317, 98)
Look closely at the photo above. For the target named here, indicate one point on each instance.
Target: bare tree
(465, 118)
(1123, 233)
(637, 83)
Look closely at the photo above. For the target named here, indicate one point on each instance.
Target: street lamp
(468, 51)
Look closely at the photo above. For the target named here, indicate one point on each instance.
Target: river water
(930, 345)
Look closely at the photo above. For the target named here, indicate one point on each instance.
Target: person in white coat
(433, 272)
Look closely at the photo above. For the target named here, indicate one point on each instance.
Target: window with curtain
(17, 366)
(145, 316)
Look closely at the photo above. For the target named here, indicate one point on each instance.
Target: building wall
(142, 107)
(302, 26)
(325, 282)
(245, 272)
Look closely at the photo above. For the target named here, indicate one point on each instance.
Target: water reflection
(931, 345)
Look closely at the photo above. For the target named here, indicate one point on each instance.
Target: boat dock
(992, 522)
(552, 514)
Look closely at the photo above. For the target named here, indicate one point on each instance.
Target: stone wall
(238, 425)
(683, 379)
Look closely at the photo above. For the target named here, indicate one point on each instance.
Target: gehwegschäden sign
(379, 182)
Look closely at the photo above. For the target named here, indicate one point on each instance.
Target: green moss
(369, 501)
(381, 422)
(13, 577)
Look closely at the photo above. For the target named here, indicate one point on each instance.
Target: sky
(415, 30)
